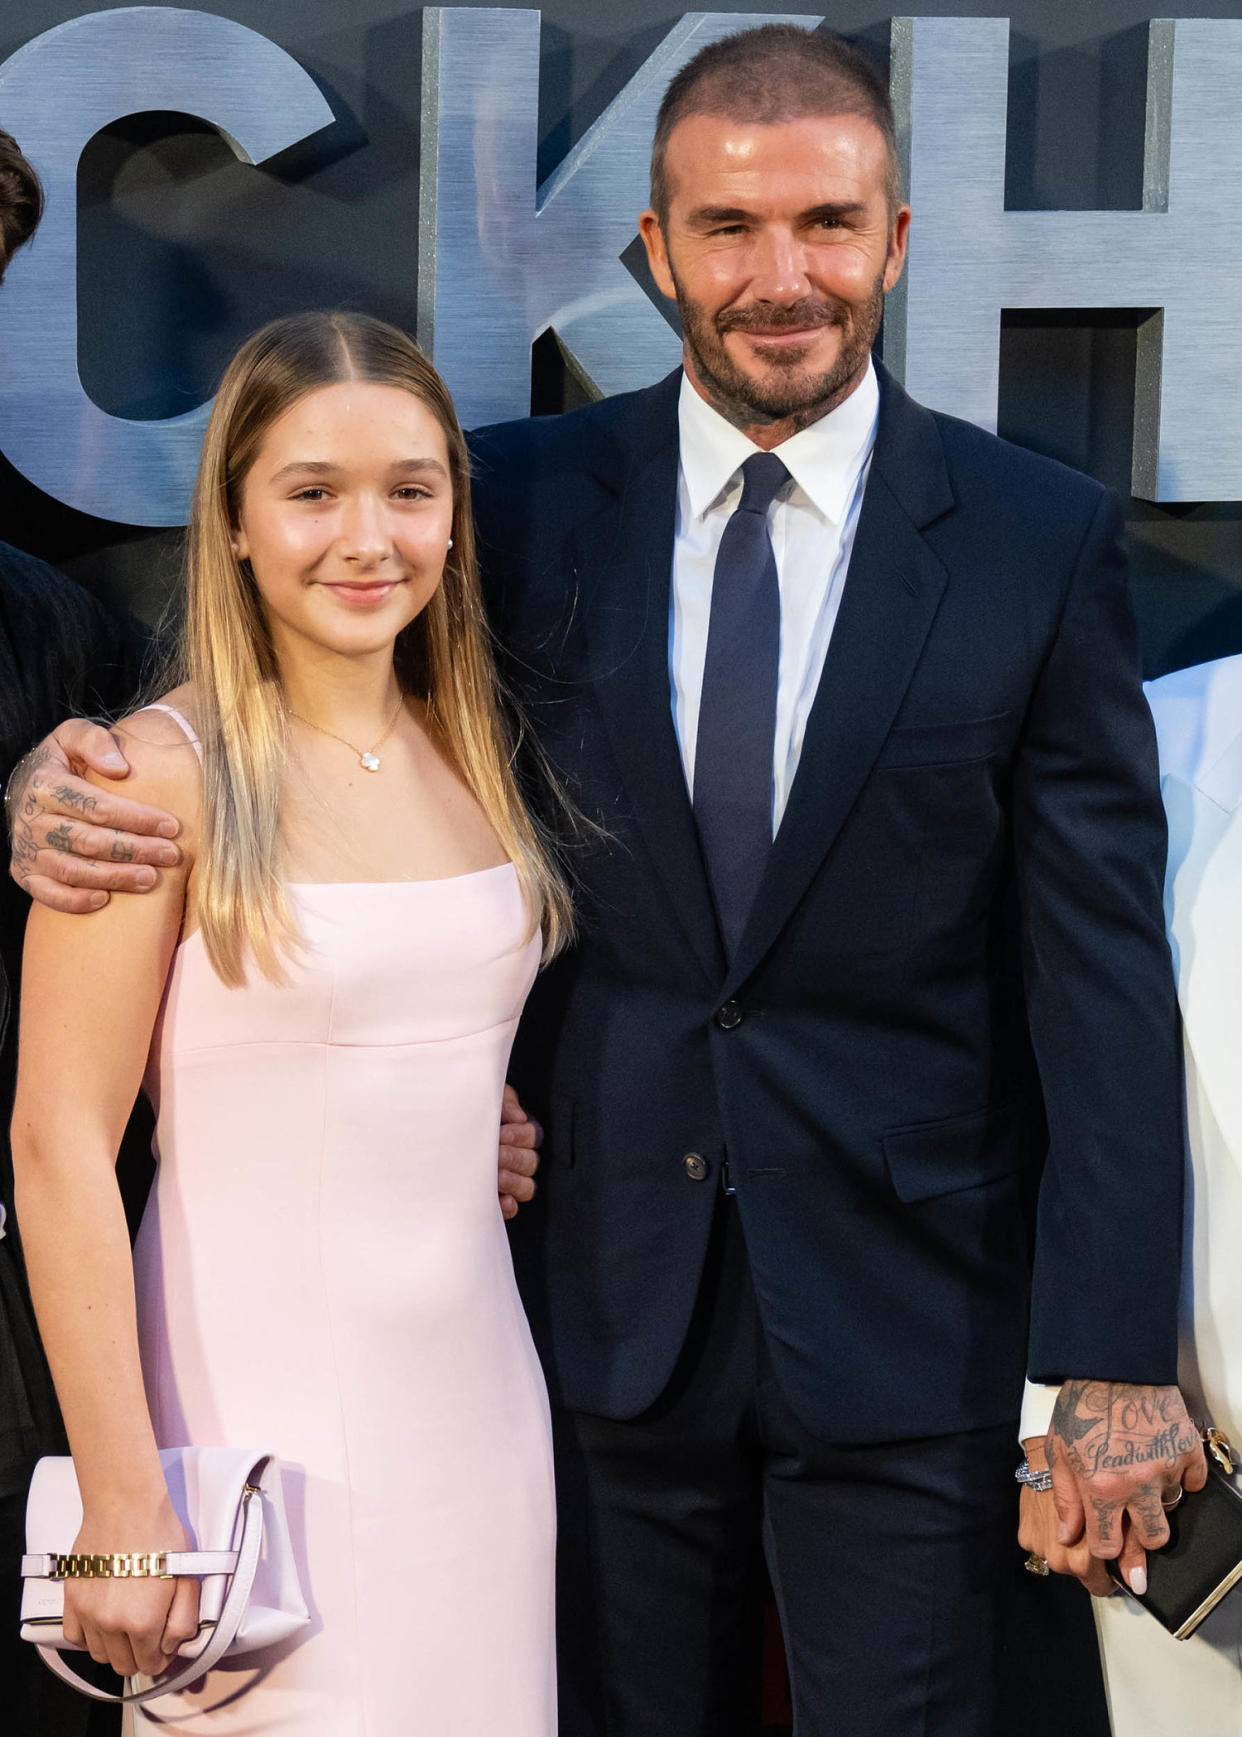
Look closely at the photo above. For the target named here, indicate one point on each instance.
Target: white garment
(1159, 1687)
(1038, 1401)
(812, 526)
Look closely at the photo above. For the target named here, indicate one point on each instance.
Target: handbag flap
(203, 1481)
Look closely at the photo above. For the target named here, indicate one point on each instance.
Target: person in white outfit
(1157, 1686)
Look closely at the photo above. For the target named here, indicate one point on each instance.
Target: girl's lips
(363, 596)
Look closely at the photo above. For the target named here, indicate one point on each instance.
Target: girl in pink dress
(320, 999)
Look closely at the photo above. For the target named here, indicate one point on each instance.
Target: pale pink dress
(323, 1272)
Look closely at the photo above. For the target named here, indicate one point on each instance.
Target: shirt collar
(823, 459)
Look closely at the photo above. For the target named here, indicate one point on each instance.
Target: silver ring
(1169, 1506)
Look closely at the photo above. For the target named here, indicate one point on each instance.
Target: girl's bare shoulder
(160, 745)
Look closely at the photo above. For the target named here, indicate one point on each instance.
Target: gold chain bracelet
(135, 1565)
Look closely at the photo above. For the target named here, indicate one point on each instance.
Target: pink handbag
(230, 1502)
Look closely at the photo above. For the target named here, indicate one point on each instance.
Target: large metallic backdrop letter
(55, 94)
(1180, 256)
(500, 261)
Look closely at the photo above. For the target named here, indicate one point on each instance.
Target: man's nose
(364, 532)
(780, 267)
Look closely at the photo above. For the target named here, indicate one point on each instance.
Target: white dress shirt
(812, 524)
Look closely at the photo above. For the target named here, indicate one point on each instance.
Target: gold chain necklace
(368, 758)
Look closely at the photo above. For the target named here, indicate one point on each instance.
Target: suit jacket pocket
(946, 744)
(928, 1159)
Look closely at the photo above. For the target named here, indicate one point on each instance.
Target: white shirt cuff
(1037, 1407)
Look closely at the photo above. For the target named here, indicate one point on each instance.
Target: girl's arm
(91, 992)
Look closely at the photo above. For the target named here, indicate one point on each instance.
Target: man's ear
(898, 237)
(652, 232)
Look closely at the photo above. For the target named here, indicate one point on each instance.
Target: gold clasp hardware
(131, 1565)
(1217, 1444)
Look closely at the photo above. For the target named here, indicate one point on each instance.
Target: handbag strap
(177, 1563)
(231, 1613)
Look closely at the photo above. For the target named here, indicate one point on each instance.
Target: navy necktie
(737, 714)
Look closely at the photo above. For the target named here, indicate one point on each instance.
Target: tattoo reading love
(1112, 1426)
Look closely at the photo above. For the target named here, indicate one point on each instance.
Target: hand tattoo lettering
(1104, 1517)
(78, 800)
(18, 801)
(1114, 1426)
(25, 850)
(23, 810)
(1147, 1507)
(25, 807)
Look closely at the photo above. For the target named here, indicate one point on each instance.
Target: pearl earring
(450, 542)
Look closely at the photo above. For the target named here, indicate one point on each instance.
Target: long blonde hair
(226, 651)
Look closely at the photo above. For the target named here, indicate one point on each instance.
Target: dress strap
(179, 718)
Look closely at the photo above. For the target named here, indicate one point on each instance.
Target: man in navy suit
(871, 955)
(878, 926)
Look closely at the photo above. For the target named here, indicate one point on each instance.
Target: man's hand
(1119, 1454)
(1038, 1532)
(72, 843)
(519, 1154)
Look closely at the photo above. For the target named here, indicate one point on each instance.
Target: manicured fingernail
(168, 829)
(98, 900)
(1138, 1581)
(145, 877)
(115, 760)
(1064, 1531)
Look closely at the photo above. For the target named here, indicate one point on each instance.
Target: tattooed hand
(1117, 1452)
(72, 842)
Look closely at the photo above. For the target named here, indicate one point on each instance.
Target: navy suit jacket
(943, 1063)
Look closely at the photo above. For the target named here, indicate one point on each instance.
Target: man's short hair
(777, 72)
(21, 199)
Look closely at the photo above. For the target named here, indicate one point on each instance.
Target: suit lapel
(891, 596)
(628, 553)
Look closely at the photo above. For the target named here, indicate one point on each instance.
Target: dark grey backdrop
(183, 250)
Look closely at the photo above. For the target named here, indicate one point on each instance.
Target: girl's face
(345, 518)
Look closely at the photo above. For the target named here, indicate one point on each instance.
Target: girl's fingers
(182, 1623)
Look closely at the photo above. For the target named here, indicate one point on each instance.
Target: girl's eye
(412, 492)
(311, 494)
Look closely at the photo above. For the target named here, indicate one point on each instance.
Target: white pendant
(371, 762)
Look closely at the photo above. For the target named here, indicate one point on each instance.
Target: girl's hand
(136, 1625)
(1039, 1535)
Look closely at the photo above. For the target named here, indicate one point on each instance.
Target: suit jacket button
(728, 1016)
(695, 1166)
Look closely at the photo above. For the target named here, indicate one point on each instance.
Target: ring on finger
(1036, 1565)
(1177, 1496)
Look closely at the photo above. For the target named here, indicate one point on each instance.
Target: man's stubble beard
(785, 393)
